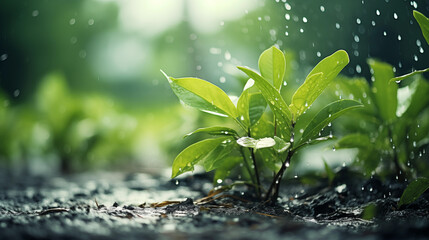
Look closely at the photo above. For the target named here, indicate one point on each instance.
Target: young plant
(260, 141)
(396, 125)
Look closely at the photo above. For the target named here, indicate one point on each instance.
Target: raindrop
(72, 21)
(395, 16)
(259, 18)
(214, 50)
(399, 37)
(333, 149)
(384, 33)
(322, 8)
(35, 13)
(344, 164)
(301, 130)
(193, 36)
(373, 23)
(222, 79)
(177, 182)
(227, 56)
(301, 30)
(219, 181)
(329, 124)
(421, 50)
(418, 43)
(296, 176)
(416, 58)
(287, 6)
(198, 67)
(304, 19)
(356, 38)
(358, 68)
(286, 34)
(287, 16)
(287, 164)
(73, 40)
(82, 54)
(377, 12)
(363, 188)
(3, 57)
(337, 26)
(370, 189)
(358, 21)
(318, 54)
(16, 93)
(91, 22)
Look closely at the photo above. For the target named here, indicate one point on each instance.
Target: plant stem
(255, 166)
(271, 196)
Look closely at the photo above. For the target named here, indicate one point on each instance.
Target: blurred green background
(80, 81)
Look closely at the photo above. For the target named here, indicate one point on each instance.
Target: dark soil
(118, 206)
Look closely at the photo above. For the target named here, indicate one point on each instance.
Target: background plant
(277, 136)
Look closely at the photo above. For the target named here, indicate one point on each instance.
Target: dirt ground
(131, 206)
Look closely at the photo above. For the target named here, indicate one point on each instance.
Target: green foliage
(424, 26)
(260, 141)
(423, 23)
(413, 191)
(395, 126)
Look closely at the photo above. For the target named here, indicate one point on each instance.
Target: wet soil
(131, 206)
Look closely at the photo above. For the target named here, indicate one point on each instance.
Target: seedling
(262, 139)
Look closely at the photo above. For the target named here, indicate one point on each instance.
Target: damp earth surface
(140, 205)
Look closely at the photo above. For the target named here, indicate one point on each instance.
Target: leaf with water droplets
(385, 94)
(355, 140)
(203, 95)
(250, 106)
(219, 157)
(400, 78)
(327, 115)
(281, 145)
(256, 143)
(317, 80)
(217, 131)
(274, 100)
(423, 23)
(413, 191)
(225, 168)
(191, 155)
(272, 64)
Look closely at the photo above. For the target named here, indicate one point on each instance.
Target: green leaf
(317, 80)
(256, 143)
(191, 155)
(203, 95)
(274, 100)
(272, 64)
(329, 172)
(281, 145)
(385, 94)
(225, 168)
(419, 99)
(355, 140)
(424, 24)
(327, 115)
(251, 106)
(216, 158)
(400, 78)
(413, 191)
(217, 131)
